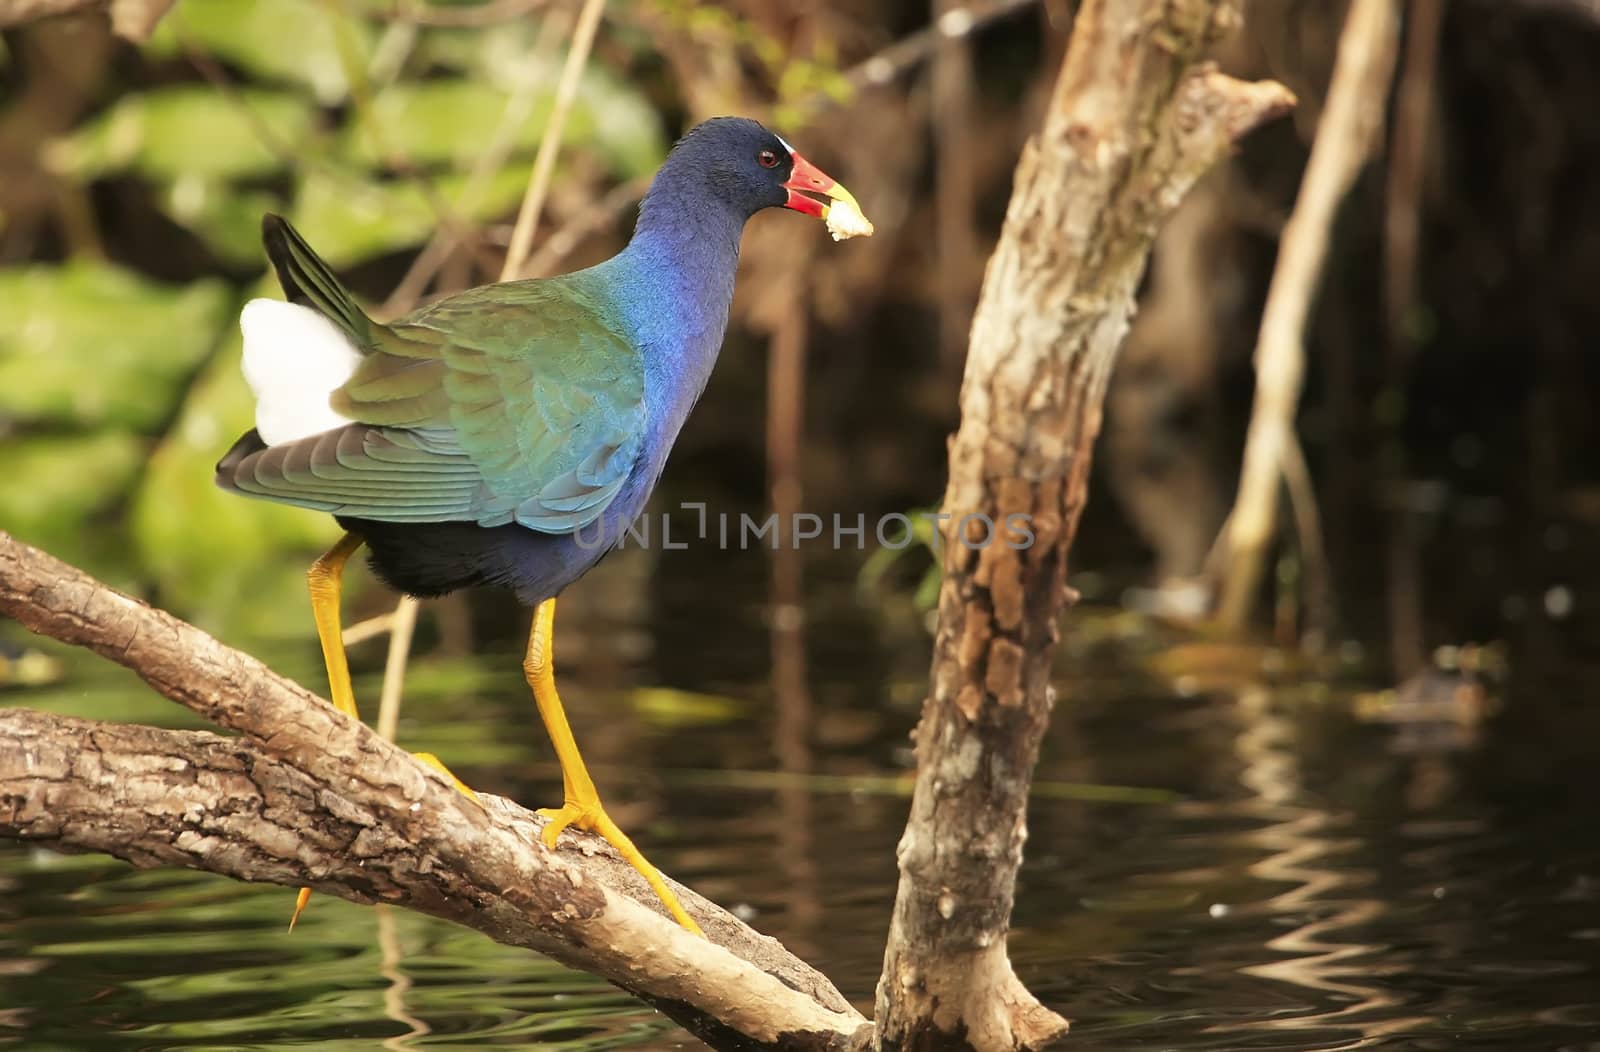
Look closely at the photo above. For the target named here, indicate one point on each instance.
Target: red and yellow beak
(807, 178)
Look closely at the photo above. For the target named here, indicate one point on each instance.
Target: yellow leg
(325, 579)
(582, 807)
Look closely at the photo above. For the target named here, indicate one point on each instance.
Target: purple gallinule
(509, 434)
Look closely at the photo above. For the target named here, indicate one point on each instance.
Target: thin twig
(1346, 135)
(1402, 227)
(518, 108)
(217, 77)
(390, 152)
(495, 12)
(401, 630)
(898, 58)
(545, 163)
(565, 239)
(1313, 555)
(371, 628)
(1402, 213)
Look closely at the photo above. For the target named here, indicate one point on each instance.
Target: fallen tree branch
(310, 797)
(1133, 122)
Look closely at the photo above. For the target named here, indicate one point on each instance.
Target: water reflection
(394, 996)
(1364, 897)
(1324, 901)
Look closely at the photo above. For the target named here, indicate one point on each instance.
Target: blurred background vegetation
(746, 713)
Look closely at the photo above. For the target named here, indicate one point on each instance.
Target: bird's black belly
(432, 559)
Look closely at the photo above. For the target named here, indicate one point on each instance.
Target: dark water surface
(1296, 877)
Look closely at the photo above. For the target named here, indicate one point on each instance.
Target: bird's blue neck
(673, 286)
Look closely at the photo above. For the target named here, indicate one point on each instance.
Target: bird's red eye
(767, 159)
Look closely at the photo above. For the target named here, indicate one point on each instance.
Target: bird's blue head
(745, 168)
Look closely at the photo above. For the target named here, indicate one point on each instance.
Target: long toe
(595, 820)
(560, 818)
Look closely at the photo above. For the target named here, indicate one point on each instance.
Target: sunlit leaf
(667, 707)
(348, 221)
(439, 121)
(92, 344)
(452, 121)
(188, 130)
(28, 667)
(289, 40)
(610, 116)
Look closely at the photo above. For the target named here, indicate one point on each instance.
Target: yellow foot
(432, 761)
(593, 819)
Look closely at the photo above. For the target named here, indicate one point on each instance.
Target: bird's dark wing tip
(227, 468)
(276, 236)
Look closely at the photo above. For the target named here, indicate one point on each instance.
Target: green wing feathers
(508, 403)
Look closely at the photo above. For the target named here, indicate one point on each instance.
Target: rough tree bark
(310, 797)
(1134, 120)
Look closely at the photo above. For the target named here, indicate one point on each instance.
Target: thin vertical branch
(1346, 136)
(954, 174)
(402, 628)
(1315, 587)
(518, 108)
(1402, 226)
(361, 100)
(786, 370)
(1402, 214)
(545, 163)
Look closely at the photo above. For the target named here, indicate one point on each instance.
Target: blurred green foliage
(89, 345)
(119, 393)
(185, 133)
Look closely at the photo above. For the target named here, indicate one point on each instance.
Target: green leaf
(186, 130)
(224, 559)
(93, 344)
(667, 707)
(348, 221)
(452, 121)
(438, 121)
(290, 40)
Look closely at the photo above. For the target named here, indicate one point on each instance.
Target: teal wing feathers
(509, 403)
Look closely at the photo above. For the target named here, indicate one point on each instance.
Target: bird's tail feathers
(306, 280)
